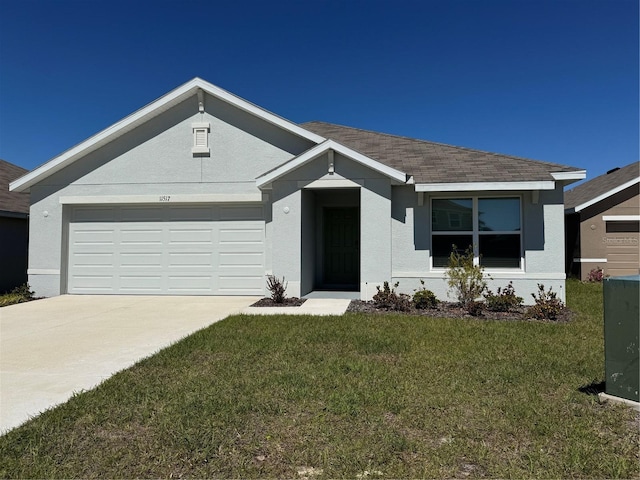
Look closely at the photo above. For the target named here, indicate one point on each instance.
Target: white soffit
(605, 195)
(323, 148)
(484, 186)
(151, 110)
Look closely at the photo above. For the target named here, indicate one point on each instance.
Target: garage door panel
(94, 214)
(141, 259)
(94, 237)
(150, 283)
(191, 259)
(142, 214)
(189, 252)
(191, 236)
(187, 214)
(142, 236)
(89, 283)
(93, 259)
(240, 213)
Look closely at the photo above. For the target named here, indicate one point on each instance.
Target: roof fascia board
(483, 186)
(601, 197)
(576, 175)
(149, 111)
(621, 218)
(322, 148)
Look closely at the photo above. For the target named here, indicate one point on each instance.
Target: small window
(200, 137)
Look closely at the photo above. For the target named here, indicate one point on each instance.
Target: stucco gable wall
(241, 148)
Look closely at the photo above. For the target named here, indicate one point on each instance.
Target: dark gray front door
(342, 247)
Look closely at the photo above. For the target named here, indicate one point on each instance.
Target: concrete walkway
(54, 347)
(313, 306)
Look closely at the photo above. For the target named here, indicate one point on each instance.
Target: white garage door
(167, 250)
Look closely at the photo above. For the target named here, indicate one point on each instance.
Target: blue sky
(549, 80)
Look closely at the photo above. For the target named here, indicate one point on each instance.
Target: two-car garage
(166, 249)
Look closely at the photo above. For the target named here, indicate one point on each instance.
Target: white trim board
(164, 199)
(484, 186)
(590, 260)
(621, 218)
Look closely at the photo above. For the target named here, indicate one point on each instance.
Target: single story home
(14, 229)
(204, 193)
(602, 219)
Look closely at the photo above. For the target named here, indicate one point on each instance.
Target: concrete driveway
(54, 347)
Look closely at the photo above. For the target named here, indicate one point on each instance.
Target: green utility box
(621, 327)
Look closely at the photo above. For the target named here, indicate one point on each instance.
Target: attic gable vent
(200, 137)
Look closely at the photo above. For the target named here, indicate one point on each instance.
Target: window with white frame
(492, 227)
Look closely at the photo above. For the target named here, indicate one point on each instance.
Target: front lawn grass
(356, 396)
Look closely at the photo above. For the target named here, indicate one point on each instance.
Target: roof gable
(146, 113)
(602, 187)
(321, 149)
(435, 164)
(11, 201)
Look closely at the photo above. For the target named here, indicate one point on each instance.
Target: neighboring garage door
(167, 250)
(621, 245)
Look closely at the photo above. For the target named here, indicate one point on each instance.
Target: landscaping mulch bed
(288, 302)
(453, 310)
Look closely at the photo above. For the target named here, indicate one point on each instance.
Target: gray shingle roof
(12, 201)
(431, 162)
(600, 185)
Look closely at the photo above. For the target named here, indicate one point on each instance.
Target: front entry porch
(331, 242)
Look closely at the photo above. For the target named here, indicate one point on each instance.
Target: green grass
(395, 396)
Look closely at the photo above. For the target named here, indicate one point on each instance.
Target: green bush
(547, 306)
(465, 279)
(423, 298)
(19, 294)
(388, 299)
(504, 300)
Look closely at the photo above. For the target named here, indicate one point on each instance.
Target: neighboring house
(602, 217)
(14, 229)
(204, 193)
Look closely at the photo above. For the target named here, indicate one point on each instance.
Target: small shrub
(596, 275)
(465, 279)
(19, 294)
(504, 300)
(277, 288)
(388, 299)
(474, 308)
(547, 306)
(423, 298)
